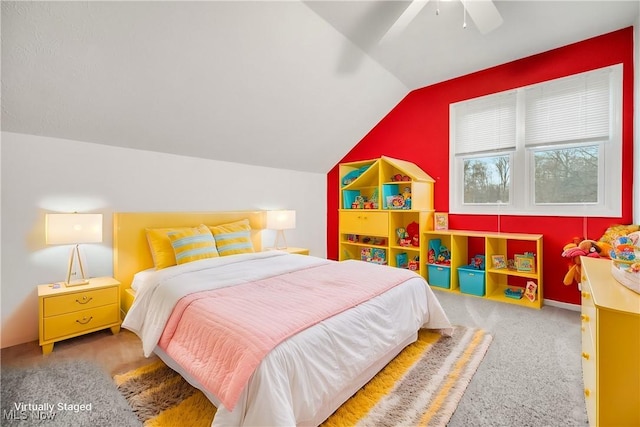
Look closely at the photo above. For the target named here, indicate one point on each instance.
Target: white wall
(41, 174)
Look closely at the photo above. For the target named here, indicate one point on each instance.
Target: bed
(280, 348)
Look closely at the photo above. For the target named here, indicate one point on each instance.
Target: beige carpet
(421, 386)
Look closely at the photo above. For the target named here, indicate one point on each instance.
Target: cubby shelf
(369, 208)
(373, 204)
(496, 280)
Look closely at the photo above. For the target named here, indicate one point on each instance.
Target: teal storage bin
(471, 281)
(439, 275)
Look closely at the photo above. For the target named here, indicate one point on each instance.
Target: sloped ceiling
(284, 84)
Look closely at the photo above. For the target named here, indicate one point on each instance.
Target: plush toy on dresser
(574, 250)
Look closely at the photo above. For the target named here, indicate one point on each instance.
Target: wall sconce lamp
(73, 229)
(280, 221)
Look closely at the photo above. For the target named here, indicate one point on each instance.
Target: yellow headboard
(131, 252)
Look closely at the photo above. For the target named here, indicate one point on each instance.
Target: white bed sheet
(304, 379)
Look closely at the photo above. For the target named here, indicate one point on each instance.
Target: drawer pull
(586, 295)
(584, 317)
(84, 300)
(84, 320)
(585, 355)
(587, 392)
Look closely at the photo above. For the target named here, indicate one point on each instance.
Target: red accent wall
(417, 129)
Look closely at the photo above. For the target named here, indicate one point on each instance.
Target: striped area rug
(420, 387)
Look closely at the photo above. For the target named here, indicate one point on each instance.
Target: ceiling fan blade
(484, 14)
(404, 20)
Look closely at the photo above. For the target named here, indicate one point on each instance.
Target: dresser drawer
(80, 321)
(365, 222)
(69, 303)
(586, 295)
(588, 356)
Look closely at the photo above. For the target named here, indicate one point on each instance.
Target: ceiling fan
(483, 13)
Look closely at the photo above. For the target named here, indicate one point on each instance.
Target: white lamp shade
(281, 220)
(74, 228)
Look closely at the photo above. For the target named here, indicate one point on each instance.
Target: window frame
(522, 158)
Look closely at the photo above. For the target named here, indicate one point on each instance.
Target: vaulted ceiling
(283, 84)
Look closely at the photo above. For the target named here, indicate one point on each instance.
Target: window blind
(575, 108)
(486, 124)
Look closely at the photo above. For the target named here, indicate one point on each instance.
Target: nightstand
(67, 312)
(301, 251)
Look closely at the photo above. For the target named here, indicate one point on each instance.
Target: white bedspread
(305, 378)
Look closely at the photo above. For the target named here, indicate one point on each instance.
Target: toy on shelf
(380, 241)
(374, 199)
(525, 262)
(530, 290)
(399, 177)
(498, 261)
(414, 263)
(353, 175)
(477, 262)
(440, 221)
(378, 256)
(413, 230)
(402, 260)
(438, 253)
(406, 195)
(395, 202)
(515, 293)
(403, 236)
(358, 203)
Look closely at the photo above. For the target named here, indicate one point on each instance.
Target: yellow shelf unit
(376, 225)
(497, 280)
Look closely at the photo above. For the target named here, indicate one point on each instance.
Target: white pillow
(141, 278)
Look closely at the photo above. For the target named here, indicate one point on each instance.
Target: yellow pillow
(233, 238)
(193, 244)
(160, 246)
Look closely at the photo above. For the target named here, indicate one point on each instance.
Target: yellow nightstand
(301, 251)
(67, 312)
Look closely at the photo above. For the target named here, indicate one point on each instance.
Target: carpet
(63, 393)
(421, 386)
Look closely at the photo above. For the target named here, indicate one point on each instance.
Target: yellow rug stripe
(451, 379)
(381, 385)
(196, 404)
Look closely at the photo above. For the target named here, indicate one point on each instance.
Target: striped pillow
(233, 238)
(160, 246)
(193, 244)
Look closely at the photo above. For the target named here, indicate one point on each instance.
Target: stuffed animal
(413, 231)
(573, 251)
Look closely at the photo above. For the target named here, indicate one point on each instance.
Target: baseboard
(565, 305)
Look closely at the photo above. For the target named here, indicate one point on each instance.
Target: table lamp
(280, 221)
(73, 229)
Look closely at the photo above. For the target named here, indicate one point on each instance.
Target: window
(554, 148)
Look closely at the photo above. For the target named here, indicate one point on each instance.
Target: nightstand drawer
(69, 303)
(80, 321)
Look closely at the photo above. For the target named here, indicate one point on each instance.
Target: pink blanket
(220, 336)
